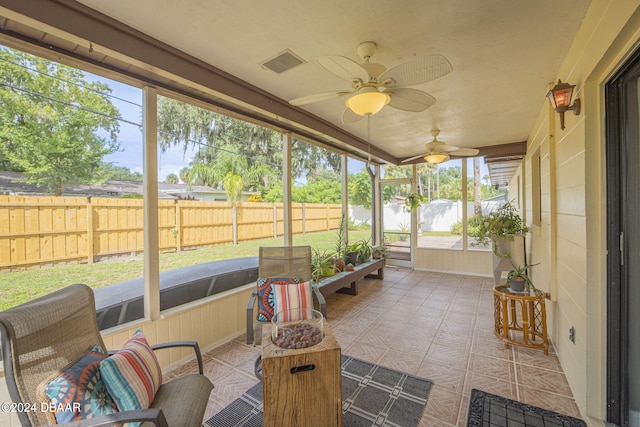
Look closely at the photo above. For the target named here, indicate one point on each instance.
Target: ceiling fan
(373, 86)
(438, 151)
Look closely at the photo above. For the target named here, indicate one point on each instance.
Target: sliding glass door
(623, 241)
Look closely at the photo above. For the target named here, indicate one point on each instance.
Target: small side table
(520, 318)
(302, 387)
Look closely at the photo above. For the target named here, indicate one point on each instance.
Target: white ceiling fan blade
(411, 100)
(448, 148)
(414, 157)
(348, 116)
(343, 67)
(418, 70)
(316, 98)
(466, 152)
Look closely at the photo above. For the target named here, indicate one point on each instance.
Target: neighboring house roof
(15, 184)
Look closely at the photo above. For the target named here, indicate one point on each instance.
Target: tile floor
(434, 325)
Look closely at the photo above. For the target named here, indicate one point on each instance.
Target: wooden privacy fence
(37, 231)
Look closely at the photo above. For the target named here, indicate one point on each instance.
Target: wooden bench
(346, 281)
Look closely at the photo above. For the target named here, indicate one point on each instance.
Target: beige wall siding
(570, 239)
(459, 262)
(210, 322)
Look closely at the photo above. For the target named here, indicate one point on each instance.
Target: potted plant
(518, 278)
(505, 230)
(501, 224)
(351, 255)
(341, 247)
(404, 231)
(379, 251)
(322, 265)
(328, 263)
(364, 251)
(413, 201)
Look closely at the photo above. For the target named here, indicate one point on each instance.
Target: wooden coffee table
(302, 387)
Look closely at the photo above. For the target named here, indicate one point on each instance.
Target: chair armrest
(250, 306)
(192, 344)
(252, 300)
(321, 301)
(153, 415)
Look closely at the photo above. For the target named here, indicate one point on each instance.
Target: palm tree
(232, 184)
(477, 193)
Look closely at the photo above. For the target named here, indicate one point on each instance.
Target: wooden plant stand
(520, 318)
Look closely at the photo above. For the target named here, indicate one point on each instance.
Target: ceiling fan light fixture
(436, 158)
(367, 101)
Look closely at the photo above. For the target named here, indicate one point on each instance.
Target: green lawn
(21, 286)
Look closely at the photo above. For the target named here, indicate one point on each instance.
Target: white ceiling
(504, 53)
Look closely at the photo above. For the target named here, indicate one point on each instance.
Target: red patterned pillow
(265, 295)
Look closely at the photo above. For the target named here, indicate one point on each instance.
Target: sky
(128, 100)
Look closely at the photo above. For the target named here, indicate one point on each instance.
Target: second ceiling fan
(438, 151)
(373, 86)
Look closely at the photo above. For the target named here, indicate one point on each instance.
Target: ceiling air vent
(282, 62)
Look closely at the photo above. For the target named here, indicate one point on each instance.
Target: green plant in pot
(413, 202)
(340, 249)
(351, 255)
(518, 278)
(379, 252)
(364, 251)
(501, 224)
(322, 265)
(404, 230)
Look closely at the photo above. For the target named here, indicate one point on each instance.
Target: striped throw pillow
(133, 374)
(265, 295)
(295, 297)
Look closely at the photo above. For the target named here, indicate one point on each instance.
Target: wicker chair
(42, 337)
(281, 261)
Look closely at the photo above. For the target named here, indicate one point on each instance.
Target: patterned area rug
(489, 410)
(372, 395)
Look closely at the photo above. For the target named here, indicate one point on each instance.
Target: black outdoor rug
(372, 395)
(489, 410)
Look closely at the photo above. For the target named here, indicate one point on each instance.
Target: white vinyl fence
(437, 215)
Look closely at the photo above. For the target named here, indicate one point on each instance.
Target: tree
(232, 184)
(324, 188)
(477, 193)
(50, 122)
(172, 178)
(184, 174)
(121, 173)
(360, 189)
(218, 137)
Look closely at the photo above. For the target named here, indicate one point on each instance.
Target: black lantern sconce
(560, 97)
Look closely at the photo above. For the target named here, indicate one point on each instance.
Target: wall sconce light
(560, 97)
(368, 101)
(436, 158)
